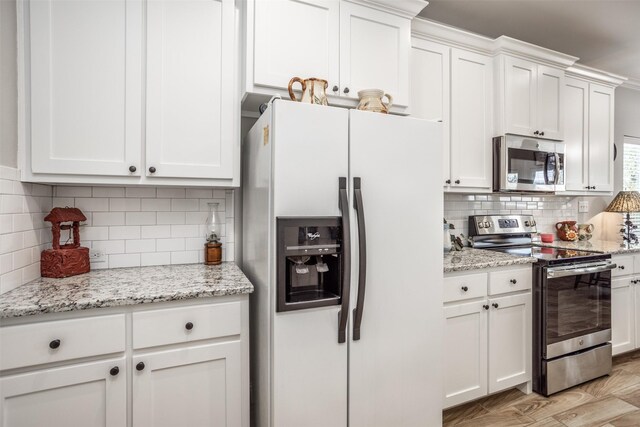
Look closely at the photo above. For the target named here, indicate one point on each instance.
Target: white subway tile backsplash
(137, 246)
(61, 202)
(185, 231)
(184, 257)
(11, 243)
(124, 260)
(11, 204)
(6, 223)
(94, 233)
(196, 217)
(155, 231)
(123, 232)
(171, 217)
(109, 246)
(172, 193)
(185, 205)
(69, 191)
(156, 205)
(140, 192)
(6, 263)
(107, 218)
(97, 204)
(108, 191)
(141, 218)
(199, 193)
(123, 204)
(155, 258)
(169, 245)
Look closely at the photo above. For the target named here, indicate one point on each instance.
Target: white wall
(8, 84)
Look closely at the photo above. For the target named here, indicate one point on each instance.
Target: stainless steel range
(571, 302)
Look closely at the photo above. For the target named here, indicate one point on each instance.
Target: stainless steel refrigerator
(342, 239)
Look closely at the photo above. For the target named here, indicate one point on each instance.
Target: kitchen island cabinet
(625, 303)
(488, 332)
(69, 347)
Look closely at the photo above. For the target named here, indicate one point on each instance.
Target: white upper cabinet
(532, 104)
(87, 65)
(430, 90)
(85, 86)
(354, 45)
(601, 105)
(576, 134)
(471, 120)
(374, 52)
(588, 136)
(190, 99)
(296, 38)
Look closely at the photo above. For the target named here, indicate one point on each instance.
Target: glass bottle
(212, 225)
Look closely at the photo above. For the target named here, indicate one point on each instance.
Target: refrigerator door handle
(343, 315)
(362, 255)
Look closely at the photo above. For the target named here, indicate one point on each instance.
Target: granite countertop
(473, 259)
(601, 246)
(124, 286)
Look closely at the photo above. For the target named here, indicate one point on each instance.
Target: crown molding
(633, 84)
(511, 46)
(405, 8)
(582, 71)
(426, 29)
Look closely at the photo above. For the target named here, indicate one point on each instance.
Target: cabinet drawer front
(38, 343)
(475, 284)
(501, 282)
(625, 265)
(170, 326)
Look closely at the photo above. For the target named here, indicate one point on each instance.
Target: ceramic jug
(567, 230)
(585, 231)
(371, 100)
(313, 90)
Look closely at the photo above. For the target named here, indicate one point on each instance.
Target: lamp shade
(625, 201)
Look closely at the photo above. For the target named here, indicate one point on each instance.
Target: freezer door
(395, 362)
(310, 154)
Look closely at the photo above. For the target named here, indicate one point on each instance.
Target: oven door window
(531, 167)
(577, 305)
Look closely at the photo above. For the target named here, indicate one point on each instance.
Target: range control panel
(480, 225)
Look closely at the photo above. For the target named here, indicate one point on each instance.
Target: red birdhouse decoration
(70, 258)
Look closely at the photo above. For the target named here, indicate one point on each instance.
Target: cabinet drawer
(34, 344)
(185, 324)
(501, 282)
(625, 265)
(464, 287)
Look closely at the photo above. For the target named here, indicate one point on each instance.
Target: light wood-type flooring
(610, 401)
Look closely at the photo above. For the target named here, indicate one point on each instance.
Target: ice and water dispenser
(309, 265)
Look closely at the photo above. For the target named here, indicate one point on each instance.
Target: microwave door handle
(557, 177)
(343, 315)
(547, 163)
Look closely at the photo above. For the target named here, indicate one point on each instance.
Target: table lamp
(626, 202)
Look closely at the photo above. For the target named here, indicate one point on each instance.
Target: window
(631, 169)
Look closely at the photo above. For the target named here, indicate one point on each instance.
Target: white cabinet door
(636, 310)
(374, 52)
(622, 316)
(190, 88)
(550, 102)
(84, 74)
(430, 90)
(520, 96)
(471, 118)
(510, 339)
(601, 104)
(192, 386)
(73, 396)
(296, 38)
(576, 134)
(465, 349)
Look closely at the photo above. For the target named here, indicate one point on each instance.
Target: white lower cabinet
(625, 304)
(192, 372)
(192, 386)
(80, 395)
(487, 338)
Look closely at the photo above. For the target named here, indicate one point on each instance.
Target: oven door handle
(555, 273)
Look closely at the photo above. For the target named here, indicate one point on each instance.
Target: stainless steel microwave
(523, 164)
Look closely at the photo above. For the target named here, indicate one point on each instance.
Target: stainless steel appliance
(338, 219)
(523, 164)
(571, 302)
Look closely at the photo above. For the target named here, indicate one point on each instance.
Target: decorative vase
(371, 100)
(567, 231)
(313, 90)
(585, 231)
